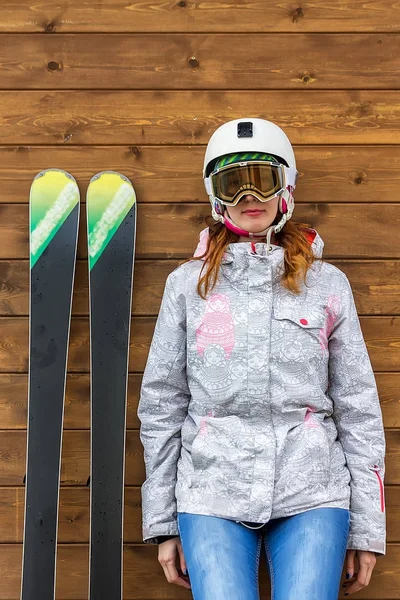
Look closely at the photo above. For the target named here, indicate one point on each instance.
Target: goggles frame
(288, 176)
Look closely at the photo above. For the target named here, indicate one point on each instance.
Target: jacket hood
(236, 249)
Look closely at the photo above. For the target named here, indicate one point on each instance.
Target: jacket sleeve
(358, 418)
(163, 403)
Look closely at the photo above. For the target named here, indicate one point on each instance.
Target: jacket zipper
(381, 495)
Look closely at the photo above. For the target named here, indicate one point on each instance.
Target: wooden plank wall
(139, 87)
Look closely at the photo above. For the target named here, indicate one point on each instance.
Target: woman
(260, 417)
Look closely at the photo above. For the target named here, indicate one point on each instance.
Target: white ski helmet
(258, 136)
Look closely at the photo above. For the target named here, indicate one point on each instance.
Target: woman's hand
(367, 561)
(167, 555)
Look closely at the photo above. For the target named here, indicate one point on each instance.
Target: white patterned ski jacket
(258, 403)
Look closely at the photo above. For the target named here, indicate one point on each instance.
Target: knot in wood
(297, 14)
(193, 62)
(135, 150)
(53, 65)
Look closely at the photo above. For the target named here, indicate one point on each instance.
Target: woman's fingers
(181, 557)
(350, 562)
(172, 575)
(367, 561)
(167, 555)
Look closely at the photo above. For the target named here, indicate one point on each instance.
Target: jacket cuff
(160, 539)
(155, 532)
(355, 542)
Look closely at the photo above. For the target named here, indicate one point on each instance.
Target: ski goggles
(265, 180)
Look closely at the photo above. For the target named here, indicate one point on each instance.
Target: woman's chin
(253, 224)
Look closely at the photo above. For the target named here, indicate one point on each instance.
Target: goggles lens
(230, 183)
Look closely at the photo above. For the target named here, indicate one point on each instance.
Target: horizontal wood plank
(74, 511)
(149, 282)
(382, 336)
(245, 16)
(375, 284)
(14, 344)
(73, 522)
(75, 468)
(190, 117)
(176, 61)
(144, 577)
(75, 458)
(14, 394)
(173, 174)
(172, 230)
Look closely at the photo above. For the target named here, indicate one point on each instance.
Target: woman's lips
(253, 213)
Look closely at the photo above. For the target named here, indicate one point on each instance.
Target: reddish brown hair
(298, 256)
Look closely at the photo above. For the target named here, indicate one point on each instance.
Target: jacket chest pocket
(299, 333)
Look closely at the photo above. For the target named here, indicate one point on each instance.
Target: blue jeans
(305, 555)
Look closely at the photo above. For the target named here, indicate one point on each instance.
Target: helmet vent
(245, 129)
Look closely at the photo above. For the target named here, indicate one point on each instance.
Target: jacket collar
(239, 251)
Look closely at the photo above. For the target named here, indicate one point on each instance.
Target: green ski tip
(110, 197)
(54, 194)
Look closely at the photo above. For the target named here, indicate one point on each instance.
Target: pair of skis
(111, 228)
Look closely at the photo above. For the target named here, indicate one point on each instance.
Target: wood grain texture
(195, 16)
(362, 174)
(75, 458)
(14, 344)
(172, 230)
(199, 61)
(375, 284)
(73, 523)
(190, 117)
(14, 388)
(139, 87)
(382, 336)
(144, 577)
